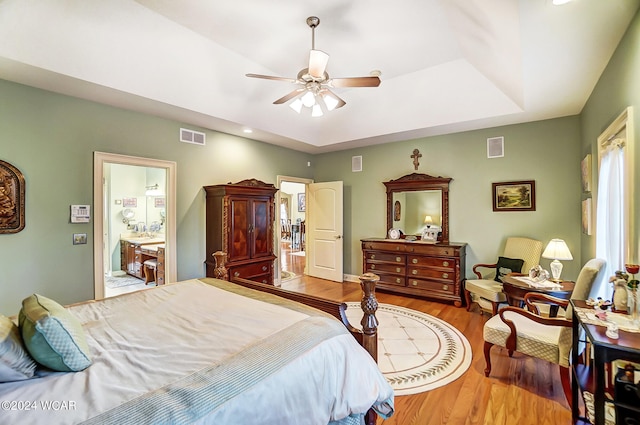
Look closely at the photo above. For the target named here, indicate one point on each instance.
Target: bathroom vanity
(135, 251)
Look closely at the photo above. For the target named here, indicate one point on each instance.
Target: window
(614, 223)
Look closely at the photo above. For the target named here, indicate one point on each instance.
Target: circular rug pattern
(416, 352)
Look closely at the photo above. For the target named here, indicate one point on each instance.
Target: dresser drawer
(390, 279)
(381, 246)
(431, 249)
(417, 272)
(429, 285)
(251, 270)
(376, 267)
(441, 263)
(385, 256)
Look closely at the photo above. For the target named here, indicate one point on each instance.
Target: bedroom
(51, 138)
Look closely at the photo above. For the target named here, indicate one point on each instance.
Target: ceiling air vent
(495, 147)
(190, 136)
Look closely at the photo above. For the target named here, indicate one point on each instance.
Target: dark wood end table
(515, 290)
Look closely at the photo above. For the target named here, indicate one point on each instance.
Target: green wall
(618, 88)
(51, 139)
(545, 151)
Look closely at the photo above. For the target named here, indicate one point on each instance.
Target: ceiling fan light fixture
(330, 100)
(296, 105)
(308, 99)
(316, 111)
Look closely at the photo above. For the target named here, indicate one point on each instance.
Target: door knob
(339, 237)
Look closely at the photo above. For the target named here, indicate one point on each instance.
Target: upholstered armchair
(546, 338)
(519, 255)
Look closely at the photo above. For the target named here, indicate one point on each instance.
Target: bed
(208, 351)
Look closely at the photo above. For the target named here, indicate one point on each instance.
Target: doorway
(291, 231)
(132, 196)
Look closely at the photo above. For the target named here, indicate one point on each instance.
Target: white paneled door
(324, 243)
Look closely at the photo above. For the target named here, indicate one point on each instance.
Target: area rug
(120, 281)
(416, 352)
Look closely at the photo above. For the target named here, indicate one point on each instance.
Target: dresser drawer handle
(414, 283)
(373, 256)
(414, 261)
(445, 287)
(398, 280)
(414, 271)
(373, 267)
(264, 280)
(445, 275)
(445, 264)
(398, 269)
(398, 259)
(236, 274)
(264, 268)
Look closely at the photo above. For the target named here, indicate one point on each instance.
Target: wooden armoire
(240, 221)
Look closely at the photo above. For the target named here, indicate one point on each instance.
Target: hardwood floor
(520, 390)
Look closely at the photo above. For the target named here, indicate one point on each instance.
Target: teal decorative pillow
(507, 265)
(52, 335)
(15, 362)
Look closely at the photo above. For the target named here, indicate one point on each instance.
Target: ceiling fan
(315, 84)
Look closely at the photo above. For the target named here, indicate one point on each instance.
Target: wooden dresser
(239, 221)
(416, 268)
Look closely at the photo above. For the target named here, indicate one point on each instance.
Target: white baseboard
(350, 278)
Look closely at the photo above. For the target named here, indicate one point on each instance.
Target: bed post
(369, 305)
(220, 272)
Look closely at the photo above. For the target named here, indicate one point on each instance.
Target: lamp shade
(428, 219)
(557, 249)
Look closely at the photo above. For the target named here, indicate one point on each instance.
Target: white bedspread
(153, 348)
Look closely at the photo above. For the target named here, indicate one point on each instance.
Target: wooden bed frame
(367, 337)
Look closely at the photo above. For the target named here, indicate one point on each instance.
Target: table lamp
(428, 221)
(557, 250)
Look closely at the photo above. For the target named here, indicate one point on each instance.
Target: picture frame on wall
(12, 199)
(514, 196)
(302, 202)
(585, 166)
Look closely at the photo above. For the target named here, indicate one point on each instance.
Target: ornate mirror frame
(417, 182)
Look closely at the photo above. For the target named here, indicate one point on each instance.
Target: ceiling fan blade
(355, 82)
(269, 77)
(289, 96)
(317, 63)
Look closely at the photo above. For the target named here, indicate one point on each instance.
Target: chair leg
(467, 298)
(487, 357)
(566, 383)
(494, 307)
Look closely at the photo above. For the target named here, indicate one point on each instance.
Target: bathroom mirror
(414, 197)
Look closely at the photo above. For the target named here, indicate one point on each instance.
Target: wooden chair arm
(531, 297)
(511, 342)
(486, 266)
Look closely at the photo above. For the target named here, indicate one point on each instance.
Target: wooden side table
(515, 290)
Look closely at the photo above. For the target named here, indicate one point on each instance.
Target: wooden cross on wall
(416, 156)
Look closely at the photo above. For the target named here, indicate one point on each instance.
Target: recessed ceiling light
(559, 2)
(248, 130)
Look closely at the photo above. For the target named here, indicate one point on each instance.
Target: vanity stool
(150, 267)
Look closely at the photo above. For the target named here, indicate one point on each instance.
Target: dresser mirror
(418, 205)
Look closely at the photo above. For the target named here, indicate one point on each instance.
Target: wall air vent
(190, 136)
(356, 163)
(495, 147)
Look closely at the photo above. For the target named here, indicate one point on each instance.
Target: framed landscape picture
(585, 165)
(514, 196)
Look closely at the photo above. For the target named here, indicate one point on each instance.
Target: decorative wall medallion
(11, 198)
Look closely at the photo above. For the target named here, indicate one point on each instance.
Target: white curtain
(610, 215)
